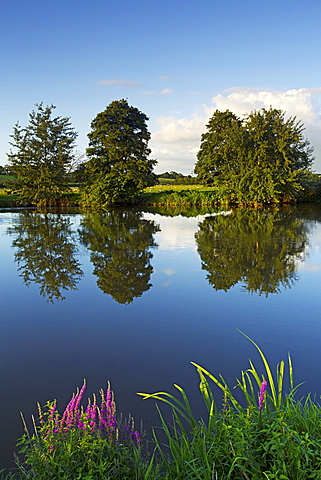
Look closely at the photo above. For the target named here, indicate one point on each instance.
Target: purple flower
(262, 394)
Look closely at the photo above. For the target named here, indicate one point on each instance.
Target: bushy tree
(42, 152)
(118, 168)
(262, 158)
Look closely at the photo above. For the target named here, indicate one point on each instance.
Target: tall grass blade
(225, 389)
(267, 369)
(280, 377)
(206, 391)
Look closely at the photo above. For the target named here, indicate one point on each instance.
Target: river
(134, 296)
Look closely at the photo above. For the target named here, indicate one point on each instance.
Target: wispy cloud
(120, 82)
(166, 91)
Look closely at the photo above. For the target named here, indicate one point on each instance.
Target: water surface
(133, 297)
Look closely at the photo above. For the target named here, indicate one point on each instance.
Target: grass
(8, 200)
(267, 434)
(179, 195)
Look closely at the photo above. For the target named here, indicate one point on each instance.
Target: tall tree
(43, 150)
(262, 158)
(118, 168)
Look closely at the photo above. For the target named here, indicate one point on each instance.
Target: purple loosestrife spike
(262, 394)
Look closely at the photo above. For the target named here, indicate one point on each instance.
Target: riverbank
(160, 195)
(267, 434)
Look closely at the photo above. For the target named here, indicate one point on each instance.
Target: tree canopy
(118, 168)
(42, 152)
(262, 158)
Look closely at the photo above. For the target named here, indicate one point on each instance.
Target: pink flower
(262, 394)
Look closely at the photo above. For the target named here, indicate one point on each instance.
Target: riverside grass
(268, 434)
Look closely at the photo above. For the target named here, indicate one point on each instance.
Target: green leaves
(41, 155)
(119, 167)
(260, 159)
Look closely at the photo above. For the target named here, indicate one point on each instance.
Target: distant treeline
(175, 178)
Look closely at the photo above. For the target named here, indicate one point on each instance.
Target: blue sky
(177, 61)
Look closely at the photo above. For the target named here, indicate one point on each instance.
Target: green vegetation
(178, 195)
(260, 431)
(266, 435)
(175, 178)
(42, 153)
(263, 158)
(83, 443)
(118, 168)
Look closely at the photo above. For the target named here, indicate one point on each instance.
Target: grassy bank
(164, 195)
(261, 432)
(178, 195)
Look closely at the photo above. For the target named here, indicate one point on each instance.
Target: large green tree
(42, 153)
(262, 158)
(118, 168)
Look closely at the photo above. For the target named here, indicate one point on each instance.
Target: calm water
(133, 297)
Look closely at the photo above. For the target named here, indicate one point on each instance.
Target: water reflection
(119, 242)
(256, 246)
(46, 253)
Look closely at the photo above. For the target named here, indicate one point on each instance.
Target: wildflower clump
(82, 442)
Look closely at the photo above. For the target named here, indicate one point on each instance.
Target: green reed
(267, 435)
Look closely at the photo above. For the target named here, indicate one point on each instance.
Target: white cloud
(168, 271)
(120, 82)
(166, 91)
(296, 102)
(176, 140)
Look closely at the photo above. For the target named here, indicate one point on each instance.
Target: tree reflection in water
(258, 247)
(119, 242)
(46, 253)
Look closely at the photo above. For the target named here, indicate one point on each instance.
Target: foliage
(179, 196)
(119, 242)
(262, 158)
(45, 253)
(269, 435)
(266, 434)
(258, 247)
(83, 443)
(8, 200)
(118, 168)
(43, 151)
(175, 178)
